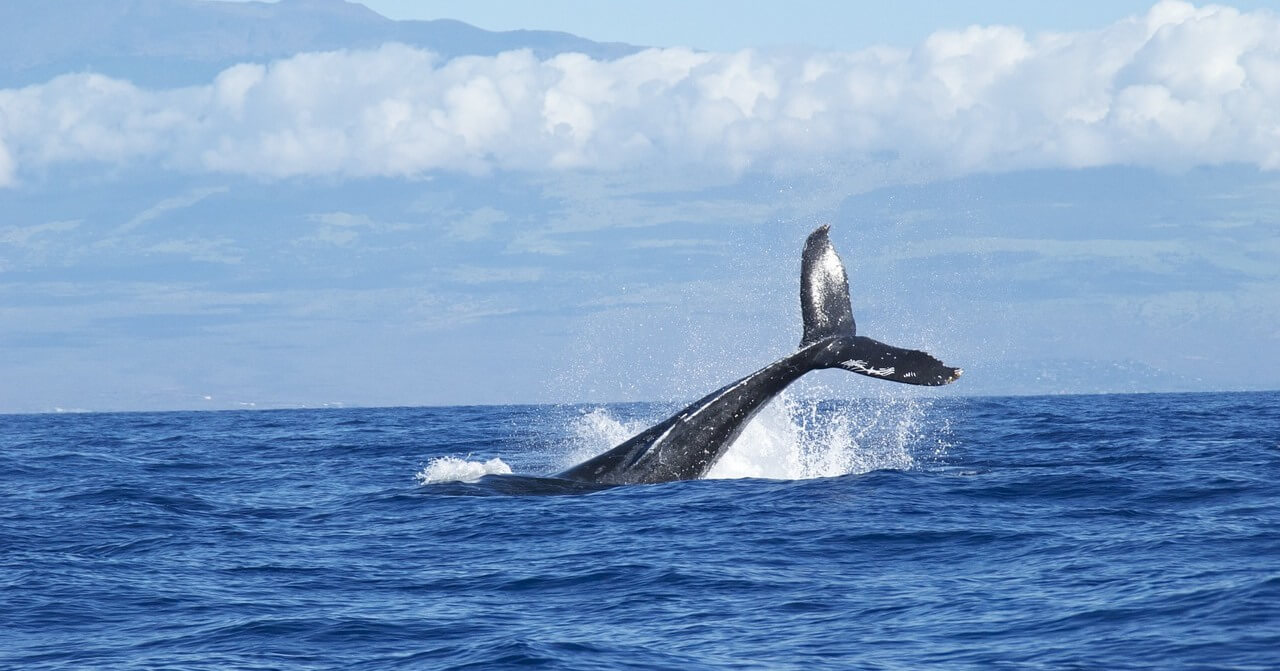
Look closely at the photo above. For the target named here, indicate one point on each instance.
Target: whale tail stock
(830, 330)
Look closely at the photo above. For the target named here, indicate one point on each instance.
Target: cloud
(343, 228)
(167, 205)
(476, 225)
(23, 236)
(26, 247)
(6, 165)
(338, 228)
(505, 275)
(1176, 87)
(344, 220)
(220, 250)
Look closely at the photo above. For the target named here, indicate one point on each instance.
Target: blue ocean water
(1093, 532)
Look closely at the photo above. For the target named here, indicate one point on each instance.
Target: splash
(596, 431)
(796, 439)
(453, 469)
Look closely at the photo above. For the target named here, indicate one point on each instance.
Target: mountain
(167, 43)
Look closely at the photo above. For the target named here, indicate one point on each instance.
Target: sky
(1057, 201)
(821, 24)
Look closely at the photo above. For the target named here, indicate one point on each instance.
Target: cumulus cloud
(1178, 86)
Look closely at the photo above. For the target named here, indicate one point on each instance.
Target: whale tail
(828, 318)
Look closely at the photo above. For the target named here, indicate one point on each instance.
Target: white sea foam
(794, 439)
(453, 469)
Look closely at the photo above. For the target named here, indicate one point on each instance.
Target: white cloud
(1178, 86)
(6, 165)
(32, 246)
(167, 205)
(22, 236)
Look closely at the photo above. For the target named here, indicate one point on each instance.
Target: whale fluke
(824, 291)
(824, 303)
(858, 354)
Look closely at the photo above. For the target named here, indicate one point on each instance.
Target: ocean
(895, 532)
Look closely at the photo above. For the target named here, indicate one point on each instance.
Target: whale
(688, 444)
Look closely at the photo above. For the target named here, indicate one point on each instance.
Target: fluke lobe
(688, 444)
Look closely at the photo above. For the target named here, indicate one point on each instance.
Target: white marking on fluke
(858, 366)
(830, 273)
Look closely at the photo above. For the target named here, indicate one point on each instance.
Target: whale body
(686, 445)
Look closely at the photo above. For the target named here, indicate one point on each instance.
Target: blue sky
(823, 24)
(1057, 201)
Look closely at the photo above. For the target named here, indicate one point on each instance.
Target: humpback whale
(686, 445)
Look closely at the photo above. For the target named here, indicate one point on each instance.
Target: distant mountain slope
(182, 42)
